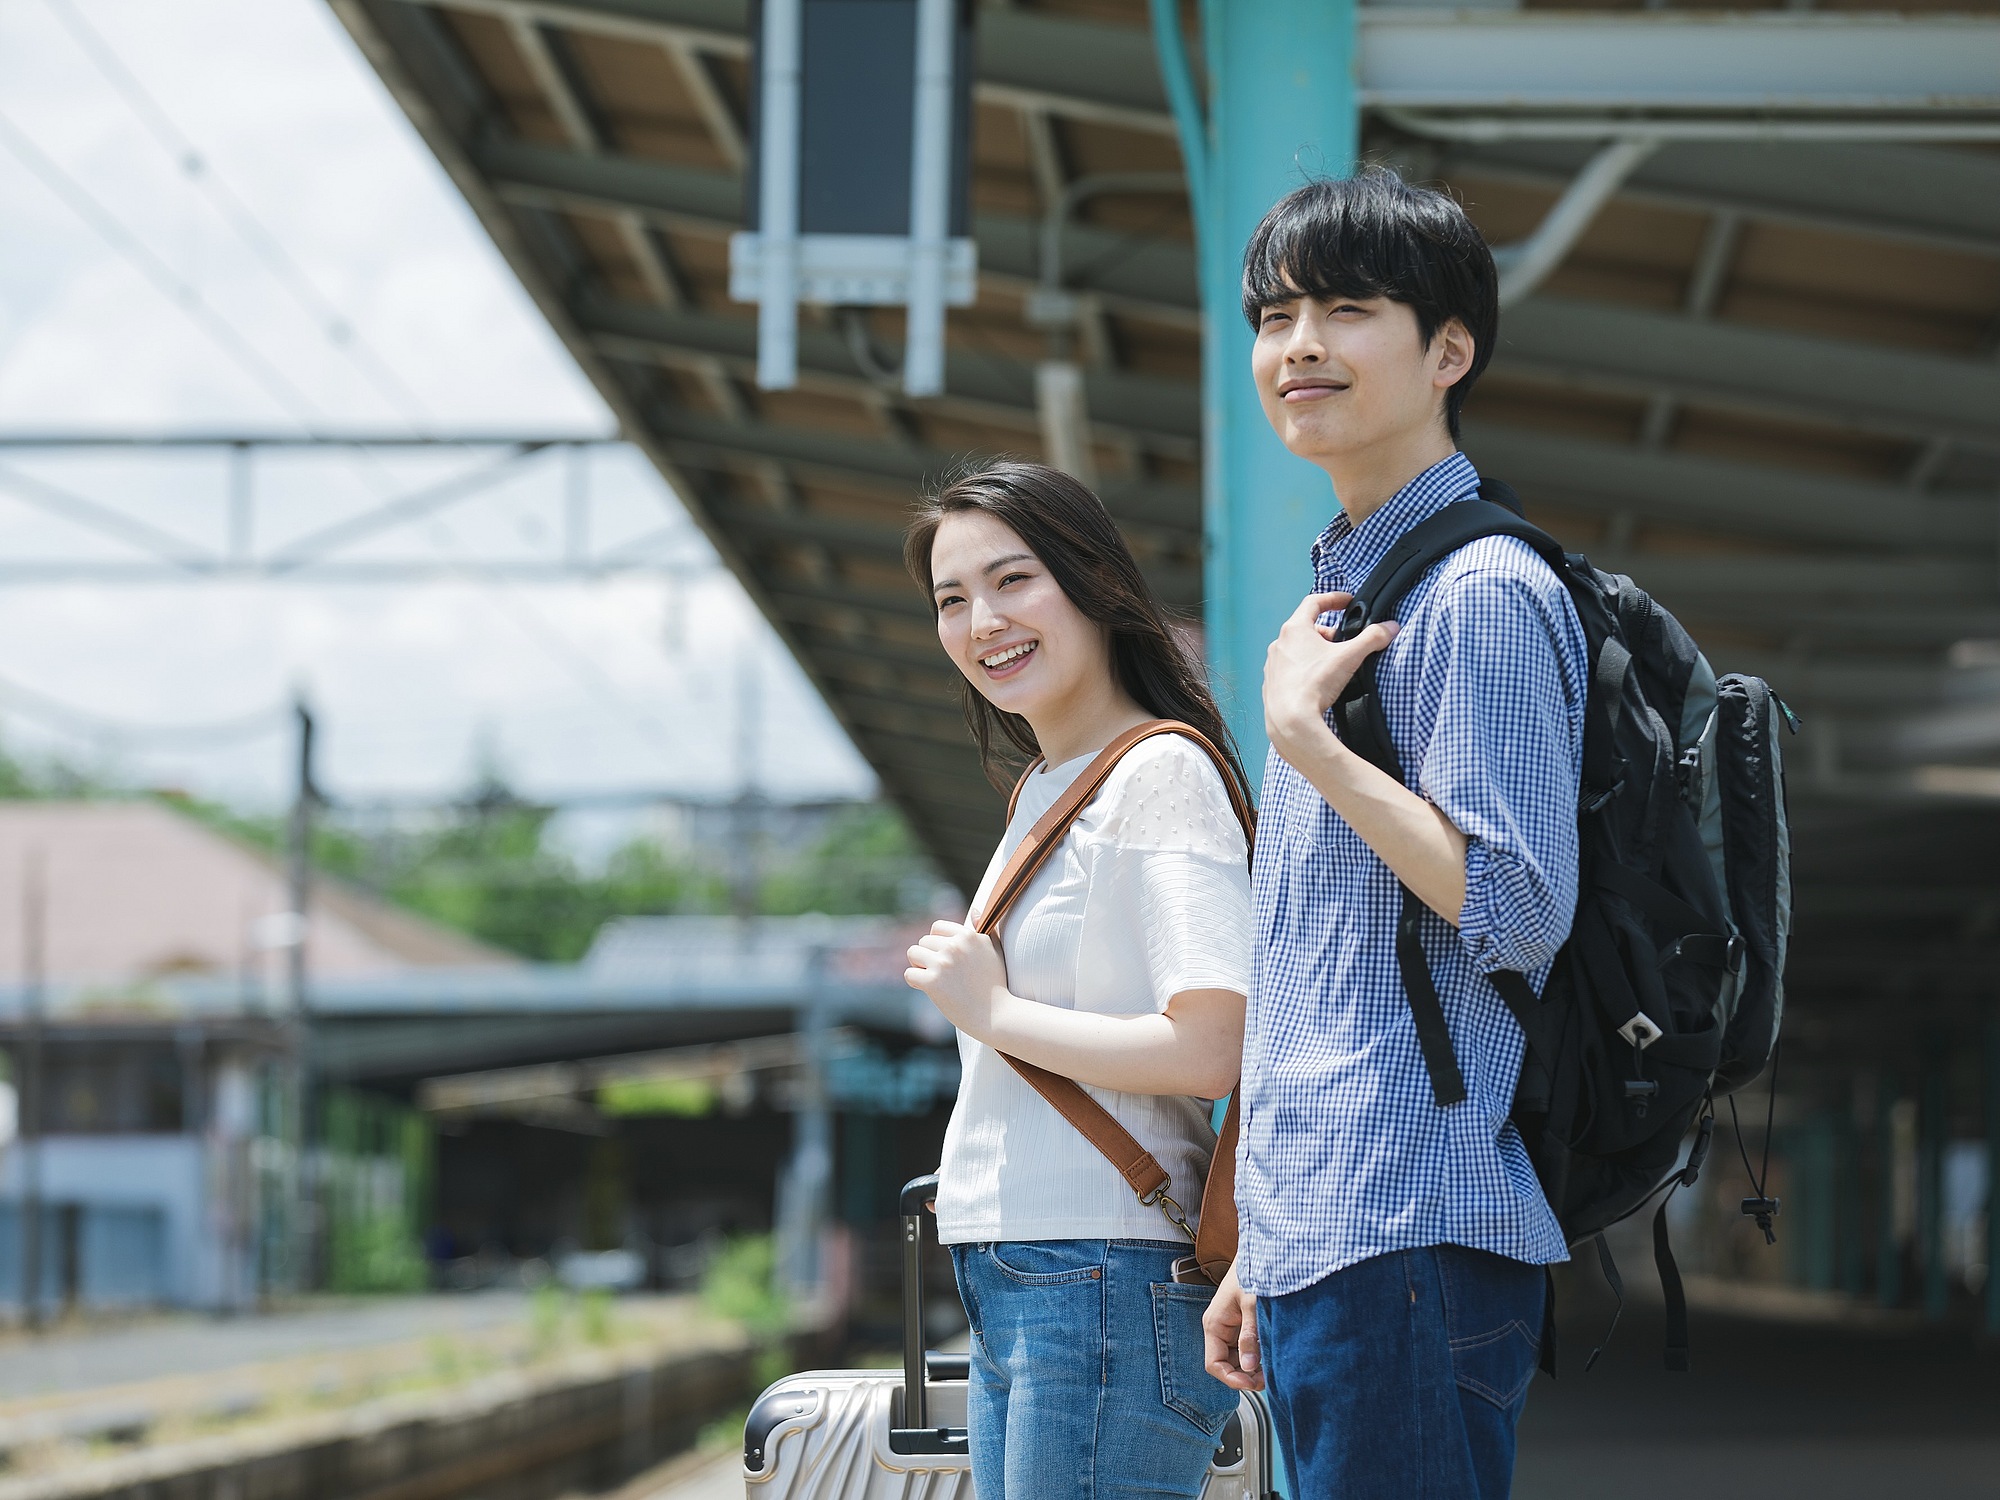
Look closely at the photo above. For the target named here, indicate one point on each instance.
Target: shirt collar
(1346, 554)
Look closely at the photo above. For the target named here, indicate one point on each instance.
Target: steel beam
(1790, 62)
(1884, 624)
(935, 775)
(898, 716)
(1148, 275)
(839, 594)
(1178, 585)
(56, 439)
(64, 572)
(720, 26)
(1419, 58)
(1863, 580)
(1865, 386)
(940, 717)
(1690, 358)
(1146, 506)
(1078, 68)
(1882, 684)
(935, 682)
(1925, 194)
(1717, 495)
(1145, 405)
(1686, 489)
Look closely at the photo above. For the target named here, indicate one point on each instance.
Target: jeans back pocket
(1048, 1262)
(1185, 1384)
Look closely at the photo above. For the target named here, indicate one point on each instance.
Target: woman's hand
(1229, 1336)
(1305, 670)
(962, 972)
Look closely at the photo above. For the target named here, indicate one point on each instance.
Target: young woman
(1125, 967)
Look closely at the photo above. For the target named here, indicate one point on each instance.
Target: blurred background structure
(631, 1000)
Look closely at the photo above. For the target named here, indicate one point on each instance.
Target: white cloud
(577, 685)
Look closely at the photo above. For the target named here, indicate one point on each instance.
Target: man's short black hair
(1375, 235)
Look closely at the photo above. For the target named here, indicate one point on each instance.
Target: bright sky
(131, 302)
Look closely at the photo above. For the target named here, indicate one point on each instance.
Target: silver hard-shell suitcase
(843, 1434)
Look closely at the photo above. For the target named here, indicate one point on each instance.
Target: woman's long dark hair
(1068, 529)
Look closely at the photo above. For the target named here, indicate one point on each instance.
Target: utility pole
(28, 1099)
(303, 1207)
(805, 1186)
(746, 816)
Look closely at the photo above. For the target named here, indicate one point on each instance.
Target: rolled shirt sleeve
(1505, 758)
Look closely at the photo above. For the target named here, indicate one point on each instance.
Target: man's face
(1349, 374)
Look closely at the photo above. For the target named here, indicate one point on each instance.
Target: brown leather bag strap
(1215, 1232)
(1141, 1171)
(1050, 829)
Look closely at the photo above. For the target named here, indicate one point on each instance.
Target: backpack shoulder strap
(1364, 728)
(1429, 542)
(1358, 712)
(1140, 1169)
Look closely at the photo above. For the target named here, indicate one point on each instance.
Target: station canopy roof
(1765, 380)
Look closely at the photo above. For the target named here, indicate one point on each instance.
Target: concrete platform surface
(1799, 1402)
(66, 1360)
(718, 1478)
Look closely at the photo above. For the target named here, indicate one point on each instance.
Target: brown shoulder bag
(1215, 1242)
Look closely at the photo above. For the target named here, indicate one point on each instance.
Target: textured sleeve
(1170, 855)
(1506, 758)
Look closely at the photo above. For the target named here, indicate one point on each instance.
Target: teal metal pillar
(1933, 1129)
(1814, 1176)
(1280, 106)
(1992, 1102)
(1889, 1244)
(1851, 1219)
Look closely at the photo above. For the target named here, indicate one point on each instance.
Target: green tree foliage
(741, 1283)
(374, 1185)
(24, 780)
(865, 863)
(488, 867)
(491, 871)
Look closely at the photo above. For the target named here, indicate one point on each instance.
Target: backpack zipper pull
(1763, 1210)
(1704, 1134)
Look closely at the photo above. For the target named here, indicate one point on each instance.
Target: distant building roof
(134, 892)
(728, 951)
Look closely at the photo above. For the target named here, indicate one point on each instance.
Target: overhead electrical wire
(196, 168)
(339, 330)
(53, 713)
(177, 288)
(573, 661)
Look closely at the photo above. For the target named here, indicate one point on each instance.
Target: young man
(1391, 1278)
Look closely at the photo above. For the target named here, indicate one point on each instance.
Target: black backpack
(1670, 989)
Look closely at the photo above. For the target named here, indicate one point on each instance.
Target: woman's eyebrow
(987, 571)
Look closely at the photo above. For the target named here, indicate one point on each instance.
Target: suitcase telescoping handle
(916, 1435)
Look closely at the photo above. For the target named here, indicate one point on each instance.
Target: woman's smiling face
(1005, 622)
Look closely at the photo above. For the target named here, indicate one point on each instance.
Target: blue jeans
(1402, 1377)
(1087, 1377)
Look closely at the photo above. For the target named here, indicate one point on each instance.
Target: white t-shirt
(1147, 898)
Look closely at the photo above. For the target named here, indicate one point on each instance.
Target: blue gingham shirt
(1345, 1154)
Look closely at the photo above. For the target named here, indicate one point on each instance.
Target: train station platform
(1793, 1397)
(416, 1398)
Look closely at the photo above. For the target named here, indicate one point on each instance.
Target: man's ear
(1452, 350)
